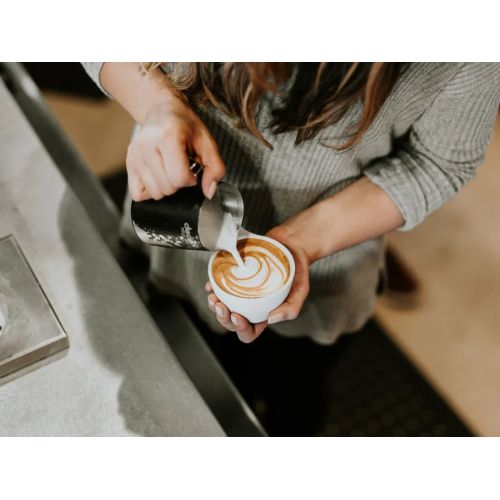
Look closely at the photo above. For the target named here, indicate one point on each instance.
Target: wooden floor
(100, 129)
(453, 336)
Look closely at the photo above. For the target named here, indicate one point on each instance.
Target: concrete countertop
(119, 376)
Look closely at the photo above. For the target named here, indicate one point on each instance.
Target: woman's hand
(157, 157)
(290, 309)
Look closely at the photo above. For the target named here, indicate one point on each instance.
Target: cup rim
(280, 245)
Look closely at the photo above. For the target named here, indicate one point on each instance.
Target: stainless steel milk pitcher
(187, 219)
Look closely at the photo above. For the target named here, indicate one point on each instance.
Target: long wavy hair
(320, 94)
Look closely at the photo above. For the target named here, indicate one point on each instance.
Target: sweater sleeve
(444, 146)
(93, 69)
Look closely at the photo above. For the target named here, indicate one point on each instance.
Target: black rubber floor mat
(361, 386)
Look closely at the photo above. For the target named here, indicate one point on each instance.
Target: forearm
(360, 212)
(136, 91)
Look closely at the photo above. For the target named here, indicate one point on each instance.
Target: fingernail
(219, 311)
(211, 302)
(275, 318)
(211, 190)
(235, 320)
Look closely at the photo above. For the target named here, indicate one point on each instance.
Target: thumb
(213, 165)
(299, 291)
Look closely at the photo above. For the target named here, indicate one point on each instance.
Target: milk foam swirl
(266, 269)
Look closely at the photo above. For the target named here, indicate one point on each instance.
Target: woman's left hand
(290, 309)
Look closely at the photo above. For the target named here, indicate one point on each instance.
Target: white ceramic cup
(255, 309)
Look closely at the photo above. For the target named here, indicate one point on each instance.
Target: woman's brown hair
(320, 94)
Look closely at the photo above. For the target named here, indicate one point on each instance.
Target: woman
(329, 158)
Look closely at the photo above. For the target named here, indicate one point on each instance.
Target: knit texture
(425, 144)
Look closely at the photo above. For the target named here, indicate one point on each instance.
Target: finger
(176, 164)
(150, 184)
(135, 187)
(213, 165)
(290, 309)
(134, 165)
(154, 162)
(208, 287)
(212, 300)
(246, 331)
(259, 328)
(224, 316)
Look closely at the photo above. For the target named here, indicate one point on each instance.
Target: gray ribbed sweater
(424, 145)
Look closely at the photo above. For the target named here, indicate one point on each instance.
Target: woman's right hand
(157, 157)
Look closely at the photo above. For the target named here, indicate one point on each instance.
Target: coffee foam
(266, 269)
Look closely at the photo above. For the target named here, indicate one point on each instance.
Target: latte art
(266, 269)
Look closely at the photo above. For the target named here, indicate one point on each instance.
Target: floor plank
(100, 130)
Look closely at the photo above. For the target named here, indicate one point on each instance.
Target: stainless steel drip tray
(29, 328)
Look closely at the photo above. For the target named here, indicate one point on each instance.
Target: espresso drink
(266, 269)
